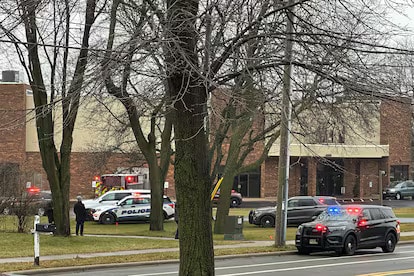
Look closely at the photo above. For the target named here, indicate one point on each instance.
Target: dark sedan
(300, 209)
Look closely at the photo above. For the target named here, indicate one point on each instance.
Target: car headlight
(95, 210)
(299, 231)
(392, 190)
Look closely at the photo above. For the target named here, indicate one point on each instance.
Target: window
(108, 197)
(365, 214)
(306, 202)
(399, 172)
(293, 203)
(388, 213)
(376, 214)
(119, 196)
(129, 201)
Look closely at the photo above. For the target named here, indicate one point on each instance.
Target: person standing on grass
(80, 212)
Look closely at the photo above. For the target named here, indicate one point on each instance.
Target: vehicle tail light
(172, 205)
(398, 227)
(362, 223)
(233, 191)
(321, 228)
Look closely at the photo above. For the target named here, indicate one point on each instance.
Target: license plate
(313, 241)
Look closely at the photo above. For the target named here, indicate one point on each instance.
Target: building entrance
(329, 177)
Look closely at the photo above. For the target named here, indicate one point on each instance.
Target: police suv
(110, 198)
(347, 228)
(131, 208)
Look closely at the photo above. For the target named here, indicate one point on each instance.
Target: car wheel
(398, 196)
(349, 245)
(107, 219)
(304, 251)
(234, 202)
(267, 221)
(390, 242)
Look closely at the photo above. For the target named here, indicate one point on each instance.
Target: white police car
(131, 208)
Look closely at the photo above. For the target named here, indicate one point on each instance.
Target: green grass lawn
(21, 244)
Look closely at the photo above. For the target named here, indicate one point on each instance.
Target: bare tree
(140, 101)
(48, 29)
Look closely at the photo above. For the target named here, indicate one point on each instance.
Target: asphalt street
(366, 263)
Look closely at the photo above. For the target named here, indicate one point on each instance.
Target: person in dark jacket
(80, 212)
(49, 212)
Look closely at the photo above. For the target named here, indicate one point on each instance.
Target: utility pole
(284, 160)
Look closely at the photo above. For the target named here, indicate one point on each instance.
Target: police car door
(134, 209)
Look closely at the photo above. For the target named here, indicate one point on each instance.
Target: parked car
(32, 203)
(300, 209)
(235, 198)
(110, 198)
(399, 190)
(346, 228)
(131, 208)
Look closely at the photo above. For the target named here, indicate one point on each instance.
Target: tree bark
(192, 180)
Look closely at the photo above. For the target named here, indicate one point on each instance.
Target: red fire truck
(110, 182)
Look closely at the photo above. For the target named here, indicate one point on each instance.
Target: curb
(76, 269)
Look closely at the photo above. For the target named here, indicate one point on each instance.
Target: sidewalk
(242, 244)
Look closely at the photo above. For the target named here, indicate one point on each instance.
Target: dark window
(388, 213)
(108, 197)
(306, 202)
(410, 184)
(399, 172)
(119, 196)
(376, 214)
(293, 203)
(365, 214)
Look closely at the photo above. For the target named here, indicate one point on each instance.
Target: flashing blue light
(333, 210)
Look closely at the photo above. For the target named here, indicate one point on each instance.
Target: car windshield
(399, 185)
(338, 214)
(329, 201)
(393, 184)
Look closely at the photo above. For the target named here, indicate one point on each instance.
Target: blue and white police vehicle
(131, 208)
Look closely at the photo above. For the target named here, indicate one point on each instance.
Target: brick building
(340, 169)
(90, 157)
(349, 168)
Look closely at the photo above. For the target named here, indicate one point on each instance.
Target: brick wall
(395, 130)
(12, 123)
(82, 169)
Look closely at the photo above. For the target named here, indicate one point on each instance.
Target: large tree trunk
(193, 186)
(57, 170)
(192, 168)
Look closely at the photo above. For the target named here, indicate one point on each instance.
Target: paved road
(364, 262)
